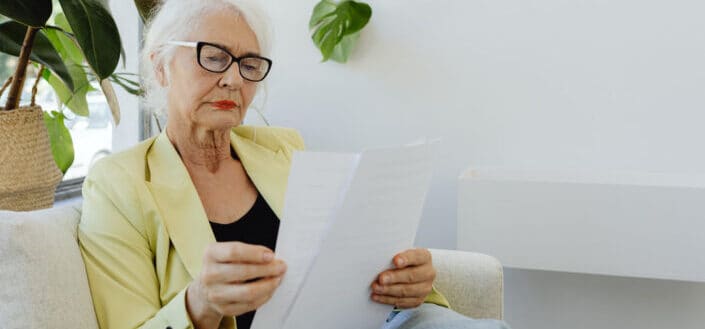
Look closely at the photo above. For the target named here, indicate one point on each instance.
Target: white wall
(609, 85)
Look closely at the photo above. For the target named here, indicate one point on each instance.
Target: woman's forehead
(228, 30)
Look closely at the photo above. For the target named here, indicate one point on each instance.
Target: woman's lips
(224, 105)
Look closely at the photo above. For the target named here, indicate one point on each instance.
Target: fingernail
(385, 279)
(401, 262)
(268, 256)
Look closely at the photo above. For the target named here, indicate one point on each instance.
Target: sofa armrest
(472, 282)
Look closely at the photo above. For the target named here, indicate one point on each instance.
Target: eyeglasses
(216, 59)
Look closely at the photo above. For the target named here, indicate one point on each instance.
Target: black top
(258, 226)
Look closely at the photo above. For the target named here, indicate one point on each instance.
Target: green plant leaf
(323, 9)
(342, 50)
(331, 26)
(11, 38)
(60, 139)
(356, 14)
(65, 44)
(75, 99)
(60, 21)
(132, 87)
(96, 32)
(106, 5)
(69, 50)
(33, 13)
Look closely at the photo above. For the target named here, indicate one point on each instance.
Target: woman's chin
(222, 119)
(215, 124)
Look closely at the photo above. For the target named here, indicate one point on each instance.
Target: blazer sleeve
(115, 246)
(435, 297)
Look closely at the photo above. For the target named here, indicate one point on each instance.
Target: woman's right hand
(236, 278)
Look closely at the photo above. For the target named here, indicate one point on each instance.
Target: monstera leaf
(336, 27)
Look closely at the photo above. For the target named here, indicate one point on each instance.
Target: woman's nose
(231, 78)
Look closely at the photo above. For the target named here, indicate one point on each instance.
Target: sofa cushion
(43, 282)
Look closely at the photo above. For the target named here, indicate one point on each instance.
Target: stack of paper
(345, 217)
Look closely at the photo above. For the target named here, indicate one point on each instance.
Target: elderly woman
(152, 214)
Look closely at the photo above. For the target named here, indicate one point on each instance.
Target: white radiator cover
(624, 224)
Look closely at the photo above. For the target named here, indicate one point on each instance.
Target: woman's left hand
(408, 284)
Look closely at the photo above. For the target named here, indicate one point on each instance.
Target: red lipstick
(224, 105)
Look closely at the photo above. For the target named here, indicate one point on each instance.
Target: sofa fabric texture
(472, 282)
(43, 282)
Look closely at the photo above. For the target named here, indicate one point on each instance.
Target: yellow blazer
(143, 230)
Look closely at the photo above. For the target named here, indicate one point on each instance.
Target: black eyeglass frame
(200, 44)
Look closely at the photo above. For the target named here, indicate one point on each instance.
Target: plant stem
(5, 85)
(36, 82)
(13, 98)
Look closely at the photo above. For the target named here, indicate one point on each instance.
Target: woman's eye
(214, 59)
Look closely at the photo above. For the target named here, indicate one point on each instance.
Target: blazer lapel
(268, 169)
(182, 212)
(181, 208)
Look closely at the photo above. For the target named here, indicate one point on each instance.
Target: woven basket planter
(28, 173)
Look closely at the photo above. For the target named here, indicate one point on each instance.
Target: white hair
(174, 20)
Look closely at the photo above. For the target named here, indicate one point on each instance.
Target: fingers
(412, 257)
(237, 278)
(238, 252)
(416, 290)
(401, 302)
(236, 299)
(236, 309)
(235, 273)
(408, 275)
(242, 293)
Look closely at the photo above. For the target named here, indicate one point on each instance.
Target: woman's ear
(159, 71)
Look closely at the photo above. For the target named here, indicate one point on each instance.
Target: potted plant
(82, 43)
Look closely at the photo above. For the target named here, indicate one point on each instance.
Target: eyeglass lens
(218, 60)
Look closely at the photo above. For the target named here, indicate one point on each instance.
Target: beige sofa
(43, 283)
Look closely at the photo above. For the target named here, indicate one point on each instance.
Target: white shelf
(623, 224)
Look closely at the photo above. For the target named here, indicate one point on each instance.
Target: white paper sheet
(345, 217)
(317, 183)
